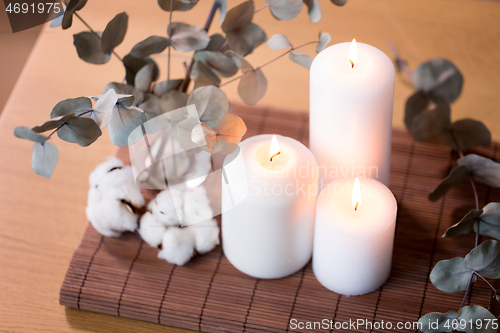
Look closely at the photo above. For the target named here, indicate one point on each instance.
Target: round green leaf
(252, 86)
(203, 76)
(80, 130)
(324, 39)
(238, 17)
(164, 87)
(134, 65)
(217, 62)
(180, 5)
(474, 315)
(102, 112)
(114, 33)
(440, 78)
(185, 129)
(339, 2)
(278, 42)
(443, 320)
(314, 10)
(302, 59)
(124, 121)
(151, 106)
(483, 169)
(73, 5)
(125, 89)
(490, 220)
(452, 275)
(285, 10)
(149, 46)
(52, 124)
(70, 105)
(222, 9)
(485, 259)
(173, 100)
(416, 104)
(247, 39)
(25, 133)
(456, 176)
(186, 38)
(88, 46)
(145, 77)
(44, 158)
(211, 103)
(469, 133)
(431, 123)
(217, 44)
(466, 225)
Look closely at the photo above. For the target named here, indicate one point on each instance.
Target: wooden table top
(42, 221)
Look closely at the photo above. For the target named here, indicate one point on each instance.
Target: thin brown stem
(259, 9)
(270, 61)
(467, 290)
(187, 79)
(60, 126)
(487, 282)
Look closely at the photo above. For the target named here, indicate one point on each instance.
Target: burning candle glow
(354, 235)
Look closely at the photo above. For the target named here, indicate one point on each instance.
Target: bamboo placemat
(123, 277)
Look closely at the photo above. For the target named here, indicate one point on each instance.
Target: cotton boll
(110, 217)
(102, 169)
(167, 207)
(178, 246)
(120, 183)
(196, 206)
(151, 230)
(206, 235)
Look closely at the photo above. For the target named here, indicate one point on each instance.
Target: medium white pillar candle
(353, 245)
(269, 232)
(351, 112)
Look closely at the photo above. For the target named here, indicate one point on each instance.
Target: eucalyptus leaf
(490, 220)
(124, 121)
(217, 62)
(247, 39)
(57, 20)
(466, 225)
(314, 10)
(339, 2)
(440, 78)
(469, 133)
(302, 59)
(285, 10)
(416, 104)
(253, 83)
(88, 47)
(44, 158)
(71, 105)
(114, 33)
(324, 39)
(125, 89)
(185, 128)
(173, 100)
(70, 9)
(278, 42)
(53, 123)
(186, 38)
(224, 138)
(217, 44)
(151, 106)
(149, 46)
(178, 5)
(483, 169)
(102, 112)
(134, 65)
(431, 123)
(211, 103)
(80, 130)
(164, 87)
(444, 321)
(485, 259)
(222, 9)
(474, 314)
(22, 132)
(145, 77)
(203, 76)
(456, 176)
(238, 17)
(452, 275)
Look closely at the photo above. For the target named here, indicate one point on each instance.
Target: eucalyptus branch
(259, 9)
(467, 290)
(169, 37)
(187, 79)
(60, 126)
(270, 61)
(487, 282)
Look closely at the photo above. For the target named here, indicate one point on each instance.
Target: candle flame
(356, 194)
(353, 53)
(275, 148)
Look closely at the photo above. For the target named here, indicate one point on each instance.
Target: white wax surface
(269, 233)
(353, 248)
(351, 113)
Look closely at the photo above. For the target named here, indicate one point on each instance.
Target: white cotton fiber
(178, 246)
(196, 206)
(151, 230)
(167, 207)
(206, 235)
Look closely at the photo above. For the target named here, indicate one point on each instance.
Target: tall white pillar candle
(269, 233)
(351, 99)
(354, 236)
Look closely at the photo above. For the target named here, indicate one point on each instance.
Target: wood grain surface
(42, 221)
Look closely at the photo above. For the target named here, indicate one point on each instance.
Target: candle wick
(271, 158)
(356, 208)
(352, 63)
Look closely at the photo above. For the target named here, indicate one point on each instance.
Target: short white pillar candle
(354, 235)
(268, 232)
